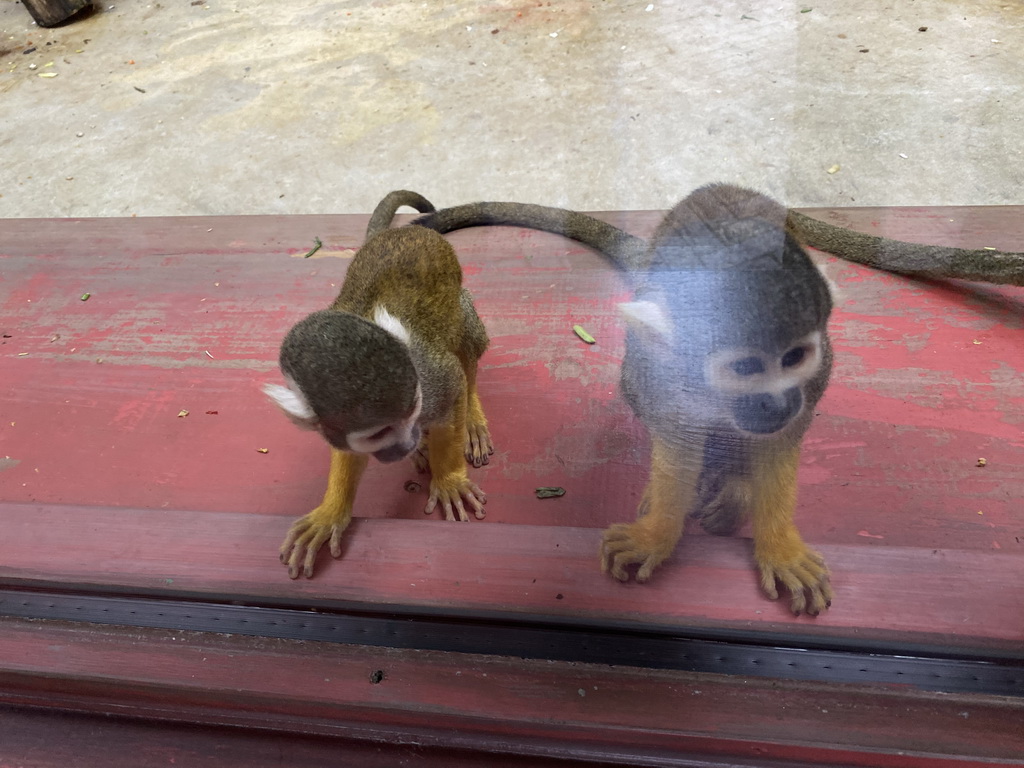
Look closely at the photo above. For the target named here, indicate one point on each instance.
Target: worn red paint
(913, 403)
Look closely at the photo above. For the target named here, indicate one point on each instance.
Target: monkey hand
(478, 444)
(308, 534)
(800, 569)
(646, 543)
(453, 491)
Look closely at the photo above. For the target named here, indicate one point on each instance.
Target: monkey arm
(449, 483)
(329, 520)
(781, 555)
(668, 498)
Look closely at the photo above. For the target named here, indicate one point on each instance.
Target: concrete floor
(287, 106)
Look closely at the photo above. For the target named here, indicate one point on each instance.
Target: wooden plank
(921, 540)
(499, 705)
(910, 595)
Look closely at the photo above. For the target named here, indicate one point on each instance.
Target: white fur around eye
(291, 402)
(391, 324)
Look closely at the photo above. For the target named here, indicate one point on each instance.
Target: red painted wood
(891, 593)
(888, 476)
(493, 704)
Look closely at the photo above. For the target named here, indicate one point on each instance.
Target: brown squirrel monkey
(390, 365)
(727, 353)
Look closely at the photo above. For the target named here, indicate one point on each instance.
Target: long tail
(621, 248)
(914, 259)
(385, 210)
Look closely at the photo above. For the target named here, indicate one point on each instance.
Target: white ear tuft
(649, 315)
(391, 324)
(291, 402)
(833, 287)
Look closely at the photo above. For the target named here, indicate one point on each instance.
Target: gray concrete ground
(292, 106)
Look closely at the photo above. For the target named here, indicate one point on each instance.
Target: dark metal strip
(637, 648)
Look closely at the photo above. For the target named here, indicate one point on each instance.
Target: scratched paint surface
(929, 378)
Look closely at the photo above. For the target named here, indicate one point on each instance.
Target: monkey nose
(395, 452)
(766, 413)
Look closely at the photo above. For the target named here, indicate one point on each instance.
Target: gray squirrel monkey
(388, 371)
(727, 353)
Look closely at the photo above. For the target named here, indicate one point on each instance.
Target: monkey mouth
(399, 451)
(394, 453)
(766, 414)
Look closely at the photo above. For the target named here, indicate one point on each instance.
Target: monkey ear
(293, 404)
(647, 316)
(834, 291)
(391, 324)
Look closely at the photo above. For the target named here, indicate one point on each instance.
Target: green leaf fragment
(317, 245)
(578, 329)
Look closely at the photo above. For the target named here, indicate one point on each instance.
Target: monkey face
(388, 442)
(764, 392)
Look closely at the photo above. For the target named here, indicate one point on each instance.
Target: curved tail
(621, 248)
(914, 259)
(385, 210)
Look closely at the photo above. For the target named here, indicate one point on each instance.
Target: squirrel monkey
(388, 371)
(727, 353)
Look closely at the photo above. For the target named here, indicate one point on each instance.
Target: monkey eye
(378, 434)
(795, 356)
(748, 366)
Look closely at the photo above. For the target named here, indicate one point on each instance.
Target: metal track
(535, 639)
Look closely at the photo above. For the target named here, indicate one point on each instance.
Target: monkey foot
(803, 573)
(453, 492)
(305, 538)
(478, 444)
(641, 543)
(726, 511)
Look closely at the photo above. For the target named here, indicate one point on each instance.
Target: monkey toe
(478, 445)
(624, 545)
(806, 578)
(305, 539)
(453, 494)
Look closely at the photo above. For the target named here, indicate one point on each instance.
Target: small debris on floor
(867, 535)
(182, 413)
(549, 492)
(263, 450)
(578, 330)
(317, 245)
(981, 462)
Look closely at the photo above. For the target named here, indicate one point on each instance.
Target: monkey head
(353, 381)
(731, 317)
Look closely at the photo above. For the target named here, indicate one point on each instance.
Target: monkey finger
(431, 503)
(313, 547)
(461, 509)
(768, 583)
(336, 532)
(476, 500)
(297, 529)
(449, 513)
